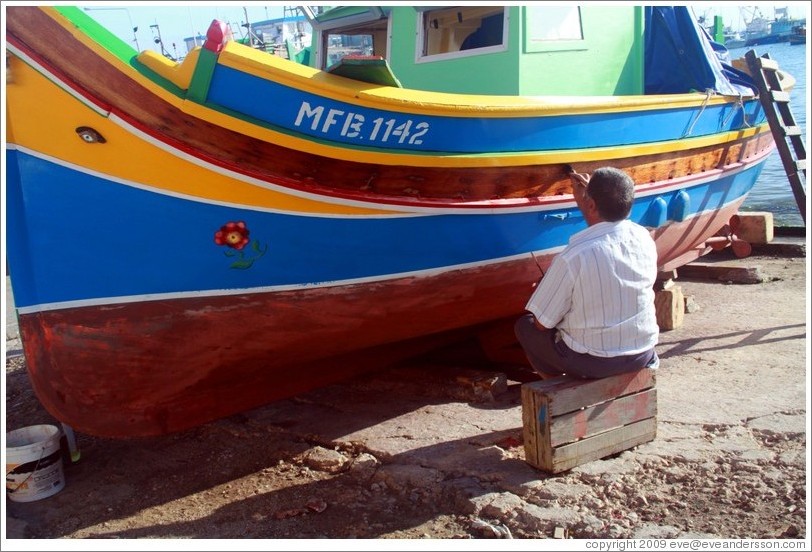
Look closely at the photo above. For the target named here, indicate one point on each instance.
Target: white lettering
(306, 111)
(331, 119)
(352, 126)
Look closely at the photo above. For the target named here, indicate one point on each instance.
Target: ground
(414, 452)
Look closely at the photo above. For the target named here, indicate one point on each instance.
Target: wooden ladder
(786, 131)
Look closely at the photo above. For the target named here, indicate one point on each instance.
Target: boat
(798, 35)
(190, 240)
(760, 30)
(733, 39)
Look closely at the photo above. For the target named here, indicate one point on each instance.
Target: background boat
(761, 30)
(798, 35)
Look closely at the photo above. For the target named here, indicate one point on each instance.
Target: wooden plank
(780, 96)
(767, 63)
(371, 69)
(568, 394)
(536, 428)
(605, 444)
(603, 417)
(722, 272)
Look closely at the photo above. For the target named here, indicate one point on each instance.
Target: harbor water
(772, 191)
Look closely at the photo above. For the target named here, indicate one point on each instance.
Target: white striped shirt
(598, 292)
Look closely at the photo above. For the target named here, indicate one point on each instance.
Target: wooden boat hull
(179, 255)
(170, 365)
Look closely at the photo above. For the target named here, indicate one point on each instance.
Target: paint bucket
(33, 463)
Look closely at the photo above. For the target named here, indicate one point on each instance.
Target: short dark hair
(612, 190)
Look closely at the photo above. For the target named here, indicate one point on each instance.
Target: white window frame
(420, 40)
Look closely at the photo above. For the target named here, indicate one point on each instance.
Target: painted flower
(232, 234)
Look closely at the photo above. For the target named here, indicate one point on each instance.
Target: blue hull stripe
(83, 237)
(283, 107)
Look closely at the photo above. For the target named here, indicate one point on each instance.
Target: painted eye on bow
(89, 135)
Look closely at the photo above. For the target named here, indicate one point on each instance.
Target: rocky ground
(424, 451)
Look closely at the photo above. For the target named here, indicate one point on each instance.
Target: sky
(179, 20)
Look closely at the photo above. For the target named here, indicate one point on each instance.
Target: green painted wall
(471, 75)
(608, 61)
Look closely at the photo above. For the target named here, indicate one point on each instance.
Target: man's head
(609, 193)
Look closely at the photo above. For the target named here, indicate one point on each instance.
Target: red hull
(162, 366)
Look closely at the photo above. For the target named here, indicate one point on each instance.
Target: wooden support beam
(723, 273)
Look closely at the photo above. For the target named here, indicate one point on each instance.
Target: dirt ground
(418, 452)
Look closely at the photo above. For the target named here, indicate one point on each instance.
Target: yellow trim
(422, 102)
(179, 74)
(461, 160)
(44, 118)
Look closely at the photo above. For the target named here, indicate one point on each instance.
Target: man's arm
(552, 298)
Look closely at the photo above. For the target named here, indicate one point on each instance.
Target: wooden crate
(570, 421)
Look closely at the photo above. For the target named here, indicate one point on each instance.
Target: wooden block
(670, 307)
(755, 227)
(570, 421)
(722, 272)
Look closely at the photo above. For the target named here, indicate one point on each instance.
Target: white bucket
(33, 463)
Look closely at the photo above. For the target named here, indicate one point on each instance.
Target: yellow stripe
(43, 118)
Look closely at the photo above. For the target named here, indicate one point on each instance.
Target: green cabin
(539, 49)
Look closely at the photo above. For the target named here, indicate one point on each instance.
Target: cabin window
(456, 31)
(369, 39)
(554, 23)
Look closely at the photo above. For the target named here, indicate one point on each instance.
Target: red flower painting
(234, 235)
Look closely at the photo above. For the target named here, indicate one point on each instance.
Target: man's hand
(579, 179)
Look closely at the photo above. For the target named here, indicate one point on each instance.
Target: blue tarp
(681, 57)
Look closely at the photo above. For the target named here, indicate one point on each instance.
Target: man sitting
(593, 315)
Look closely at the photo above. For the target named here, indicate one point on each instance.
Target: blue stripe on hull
(84, 237)
(346, 123)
